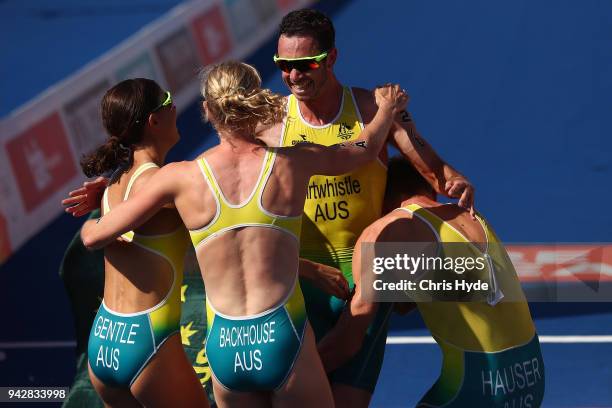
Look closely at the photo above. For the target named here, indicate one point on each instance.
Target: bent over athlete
(491, 352)
(242, 203)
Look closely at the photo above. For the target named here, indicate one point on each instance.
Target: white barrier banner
(42, 142)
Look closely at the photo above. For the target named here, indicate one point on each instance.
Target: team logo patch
(346, 131)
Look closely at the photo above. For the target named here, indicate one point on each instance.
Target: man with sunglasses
(321, 110)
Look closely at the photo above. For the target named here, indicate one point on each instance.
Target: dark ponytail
(125, 108)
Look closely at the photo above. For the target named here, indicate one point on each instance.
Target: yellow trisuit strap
(478, 326)
(247, 214)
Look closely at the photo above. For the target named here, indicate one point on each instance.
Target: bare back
(246, 269)
(137, 279)
(403, 226)
(462, 221)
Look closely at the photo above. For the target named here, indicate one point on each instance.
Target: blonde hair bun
(235, 98)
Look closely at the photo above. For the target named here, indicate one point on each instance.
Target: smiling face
(305, 85)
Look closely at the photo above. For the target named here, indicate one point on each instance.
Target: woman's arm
(160, 189)
(85, 199)
(344, 157)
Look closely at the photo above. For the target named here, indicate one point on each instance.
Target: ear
(153, 121)
(332, 55)
(205, 111)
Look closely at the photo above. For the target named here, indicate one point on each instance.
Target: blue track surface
(410, 370)
(514, 94)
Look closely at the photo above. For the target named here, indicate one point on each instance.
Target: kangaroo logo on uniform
(346, 131)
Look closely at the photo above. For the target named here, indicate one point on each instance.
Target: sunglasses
(302, 64)
(166, 102)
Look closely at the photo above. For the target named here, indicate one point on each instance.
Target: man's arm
(441, 175)
(405, 137)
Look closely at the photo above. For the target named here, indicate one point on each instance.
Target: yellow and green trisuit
(121, 344)
(252, 353)
(491, 352)
(337, 210)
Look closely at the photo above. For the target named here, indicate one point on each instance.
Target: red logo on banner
(212, 36)
(41, 161)
(286, 4)
(5, 243)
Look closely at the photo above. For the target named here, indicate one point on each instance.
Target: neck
(148, 153)
(237, 141)
(325, 106)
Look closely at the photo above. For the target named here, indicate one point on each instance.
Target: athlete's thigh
(169, 379)
(227, 398)
(112, 396)
(361, 371)
(307, 385)
(346, 396)
(321, 315)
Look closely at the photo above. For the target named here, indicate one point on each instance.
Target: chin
(303, 97)
(312, 94)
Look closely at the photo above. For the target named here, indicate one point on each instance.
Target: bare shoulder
(363, 95)
(180, 171)
(270, 134)
(143, 179)
(399, 226)
(172, 167)
(373, 231)
(176, 173)
(366, 103)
